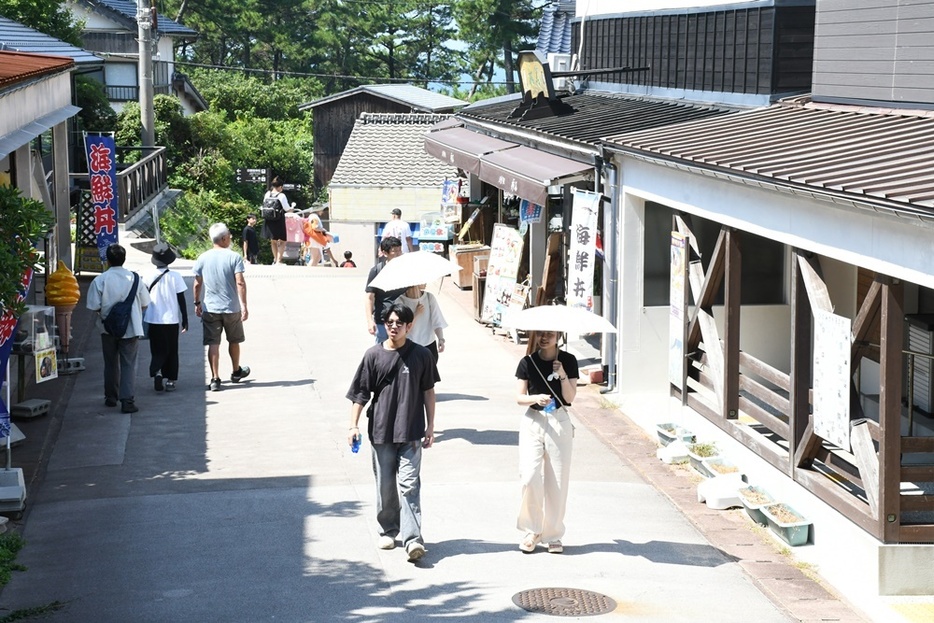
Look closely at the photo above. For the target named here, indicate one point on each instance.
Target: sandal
(529, 541)
(555, 547)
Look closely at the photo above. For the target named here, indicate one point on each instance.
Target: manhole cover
(564, 602)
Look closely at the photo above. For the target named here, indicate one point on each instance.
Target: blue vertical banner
(7, 334)
(101, 151)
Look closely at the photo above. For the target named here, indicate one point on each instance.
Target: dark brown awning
(528, 173)
(463, 148)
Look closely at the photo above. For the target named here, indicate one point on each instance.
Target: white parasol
(412, 269)
(560, 318)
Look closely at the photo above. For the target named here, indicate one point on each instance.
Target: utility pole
(144, 15)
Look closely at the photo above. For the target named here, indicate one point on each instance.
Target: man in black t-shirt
(250, 241)
(400, 376)
(378, 302)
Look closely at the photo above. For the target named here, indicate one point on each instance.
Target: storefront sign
(501, 272)
(677, 326)
(529, 212)
(832, 335)
(102, 169)
(450, 207)
(583, 248)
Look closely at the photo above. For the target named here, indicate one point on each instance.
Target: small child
(250, 241)
(348, 263)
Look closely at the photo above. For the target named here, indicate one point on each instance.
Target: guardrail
(141, 181)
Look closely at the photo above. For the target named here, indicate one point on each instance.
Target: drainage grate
(564, 602)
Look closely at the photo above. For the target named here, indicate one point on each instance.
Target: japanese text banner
(102, 169)
(583, 248)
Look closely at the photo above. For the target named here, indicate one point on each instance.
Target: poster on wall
(46, 365)
(529, 212)
(450, 208)
(832, 341)
(677, 326)
(101, 152)
(501, 272)
(585, 209)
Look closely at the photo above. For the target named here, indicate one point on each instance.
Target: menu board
(501, 273)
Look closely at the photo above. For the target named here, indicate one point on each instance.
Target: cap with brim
(163, 255)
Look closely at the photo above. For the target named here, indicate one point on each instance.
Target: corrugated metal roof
(596, 115)
(19, 66)
(554, 35)
(387, 150)
(869, 154)
(126, 10)
(19, 38)
(419, 99)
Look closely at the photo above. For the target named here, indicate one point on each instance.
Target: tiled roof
(419, 99)
(878, 156)
(18, 66)
(595, 115)
(17, 37)
(388, 150)
(555, 32)
(126, 11)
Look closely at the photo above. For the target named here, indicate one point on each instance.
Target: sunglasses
(395, 323)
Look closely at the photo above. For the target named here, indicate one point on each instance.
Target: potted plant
(697, 452)
(668, 432)
(23, 222)
(753, 499)
(790, 525)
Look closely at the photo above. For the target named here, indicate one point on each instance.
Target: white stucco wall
(373, 203)
(21, 106)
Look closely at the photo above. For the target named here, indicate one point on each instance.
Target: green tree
(96, 114)
(51, 17)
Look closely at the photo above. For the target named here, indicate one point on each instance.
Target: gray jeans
(119, 366)
(397, 467)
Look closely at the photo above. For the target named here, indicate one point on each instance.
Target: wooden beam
(917, 444)
(849, 506)
(761, 392)
(763, 417)
(920, 533)
(818, 295)
(731, 325)
(866, 318)
(800, 445)
(714, 355)
(917, 503)
(758, 367)
(683, 226)
(917, 473)
(890, 409)
(708, 291)
(868, 463)
(806, 448)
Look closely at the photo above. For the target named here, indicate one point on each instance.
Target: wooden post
(800, 382)
(890, 410)
(731, 325)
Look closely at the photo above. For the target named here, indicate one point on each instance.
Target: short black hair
(402, 311)
(276, 182)
(116, 255)
(389, 243)
(250, 215)
(348, 255)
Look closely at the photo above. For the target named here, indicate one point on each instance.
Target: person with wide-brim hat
(166, 317)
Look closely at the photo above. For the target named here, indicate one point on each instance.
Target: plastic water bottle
(355, 444)
(550, 407)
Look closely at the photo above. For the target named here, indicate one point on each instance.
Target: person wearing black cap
(397, 228)
(167, 312)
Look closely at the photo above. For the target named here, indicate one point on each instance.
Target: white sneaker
(386, 542)
(415, 550)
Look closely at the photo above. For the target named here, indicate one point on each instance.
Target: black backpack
(272, 208)
(118, 318)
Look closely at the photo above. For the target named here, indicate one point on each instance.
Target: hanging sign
(583, 248)
(832, 335)
(677, 325)
(529, 212)
(501, 272)
(102, 169)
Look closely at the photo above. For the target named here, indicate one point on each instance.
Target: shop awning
(463, 148)
(528, 173)
(16, 139)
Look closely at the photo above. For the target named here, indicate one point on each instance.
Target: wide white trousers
(545, 445)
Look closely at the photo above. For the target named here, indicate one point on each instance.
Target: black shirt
(537, 384)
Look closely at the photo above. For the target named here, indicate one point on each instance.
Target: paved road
(247, 505)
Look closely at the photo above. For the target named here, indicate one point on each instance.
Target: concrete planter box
(697, 459)
(787, 523)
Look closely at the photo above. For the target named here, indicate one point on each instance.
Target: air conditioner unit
(560, 62)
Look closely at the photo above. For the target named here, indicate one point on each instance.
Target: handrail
(141, 182)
